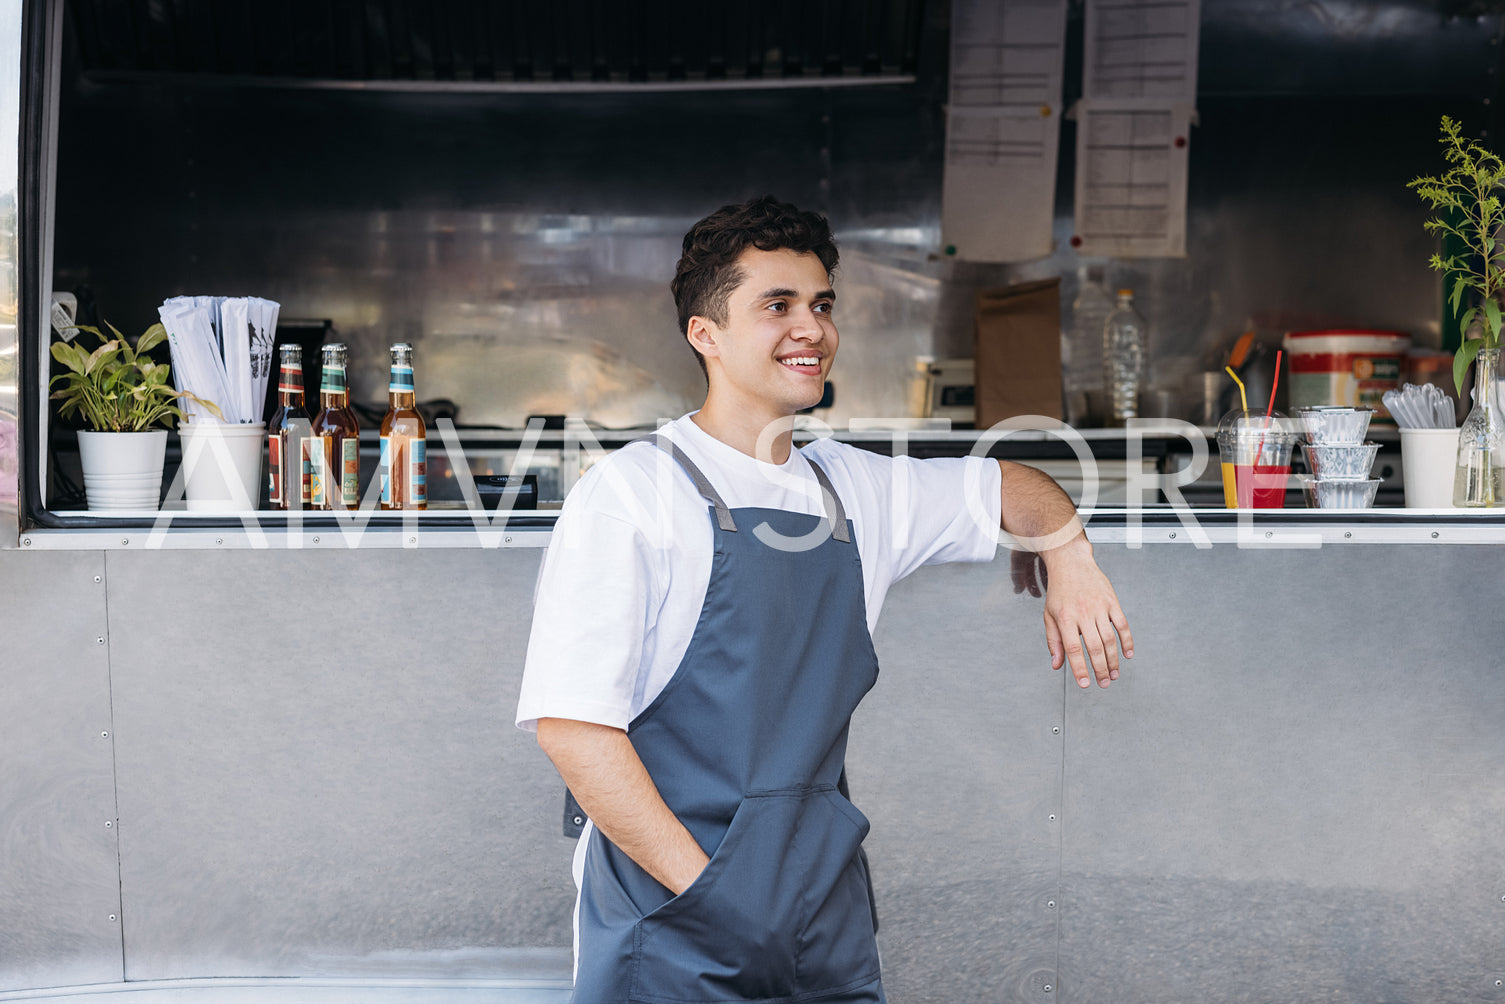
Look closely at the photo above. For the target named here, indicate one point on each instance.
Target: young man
(702, 635)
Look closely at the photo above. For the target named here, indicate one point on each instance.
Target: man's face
(772, 356)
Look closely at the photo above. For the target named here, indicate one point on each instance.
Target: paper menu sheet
(1003, 128)
(1142, 49)
(1133, 128)
(1131, 181)
(1006, 52)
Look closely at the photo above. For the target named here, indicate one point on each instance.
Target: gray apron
(746, 745)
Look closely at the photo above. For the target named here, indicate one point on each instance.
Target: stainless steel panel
(60, 905)
(10, 257)
(1294, 793)
(318, 773)
(956, 759)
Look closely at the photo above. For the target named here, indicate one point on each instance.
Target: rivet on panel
(104, 735)
(1046, 988)
(100, 641)
(1434, 534)
(316, 540)
(1347, 534)
(98, 579)
(112, 918)
(1173, 535)
(1052, 817)
(219, 540)
(124, 541)
(26, 541)
(412, 540)
(1269, 534)
(509, 540)
(1055, 730)
(109, 824)
(1050, 904)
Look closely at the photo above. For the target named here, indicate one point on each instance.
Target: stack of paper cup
(1428, 459)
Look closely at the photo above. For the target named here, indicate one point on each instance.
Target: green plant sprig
(1467, 195)
(115, 387)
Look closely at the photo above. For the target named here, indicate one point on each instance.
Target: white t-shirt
(624, 578)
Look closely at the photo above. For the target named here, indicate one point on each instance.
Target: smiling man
(702, 634)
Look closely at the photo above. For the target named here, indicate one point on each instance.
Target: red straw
(1273, 384)
(1259, 451)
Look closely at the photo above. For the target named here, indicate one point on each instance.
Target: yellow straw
(1243, 398)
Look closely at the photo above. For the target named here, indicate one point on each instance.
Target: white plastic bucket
(1352, 368)
(221, 465)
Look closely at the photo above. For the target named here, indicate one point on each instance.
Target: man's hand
(1082, 617)
(608, 779)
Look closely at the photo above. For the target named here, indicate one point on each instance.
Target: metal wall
(1291, 794)
(524, 241)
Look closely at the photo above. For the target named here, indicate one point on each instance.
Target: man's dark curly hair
(708, 272)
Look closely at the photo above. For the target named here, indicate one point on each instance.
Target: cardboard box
(1017, 351)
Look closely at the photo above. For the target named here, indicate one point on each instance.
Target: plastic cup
(1255, 452)
(1428, 460)
(221, 465)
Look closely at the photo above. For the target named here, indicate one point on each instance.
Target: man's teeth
(803, 361)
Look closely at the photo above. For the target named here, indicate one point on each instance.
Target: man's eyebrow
(782, 293)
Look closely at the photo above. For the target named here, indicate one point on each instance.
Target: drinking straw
(1269, 408)
(1243, 398)
(1273, 384)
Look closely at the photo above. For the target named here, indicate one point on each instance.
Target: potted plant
(1468, 196)
(128, 403)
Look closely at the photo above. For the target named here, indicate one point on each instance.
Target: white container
(221, 465)
(1428, 460)
(122, 470)
(1352, 368)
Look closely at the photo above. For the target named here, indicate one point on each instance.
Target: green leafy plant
(117, 388)
(1468, 196)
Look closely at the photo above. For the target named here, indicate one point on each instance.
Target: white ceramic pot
(122, 470)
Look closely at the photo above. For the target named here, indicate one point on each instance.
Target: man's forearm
(611, 784)
(1036, 511)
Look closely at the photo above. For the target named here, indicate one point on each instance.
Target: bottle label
(418, 486)
(384, 470)
(291, 380)
(350, 467)
(321, 447)
(274, 471)
(305, 453)
(334, 380)
(402, 380)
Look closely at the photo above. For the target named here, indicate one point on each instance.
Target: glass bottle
(403, 467)
(1479, 479)
(287, 436)
(1082, 348)
(336, 444)
(1123, 359)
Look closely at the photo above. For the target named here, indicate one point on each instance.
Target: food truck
(253, 752)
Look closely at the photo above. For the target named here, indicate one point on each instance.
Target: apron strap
(835, 511)
(702, 483)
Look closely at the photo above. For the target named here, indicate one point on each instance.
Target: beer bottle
(287, 436)
(403, 467)
(336, 443)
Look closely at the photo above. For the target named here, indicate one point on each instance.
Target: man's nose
(806, 325)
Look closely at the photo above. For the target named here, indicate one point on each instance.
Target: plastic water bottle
(1082, 349)
(1124, 347)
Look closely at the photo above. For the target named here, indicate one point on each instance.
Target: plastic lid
(1126, 292)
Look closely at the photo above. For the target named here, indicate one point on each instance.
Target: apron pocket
(782, 889)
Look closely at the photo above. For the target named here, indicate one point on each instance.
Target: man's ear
(702, 335)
